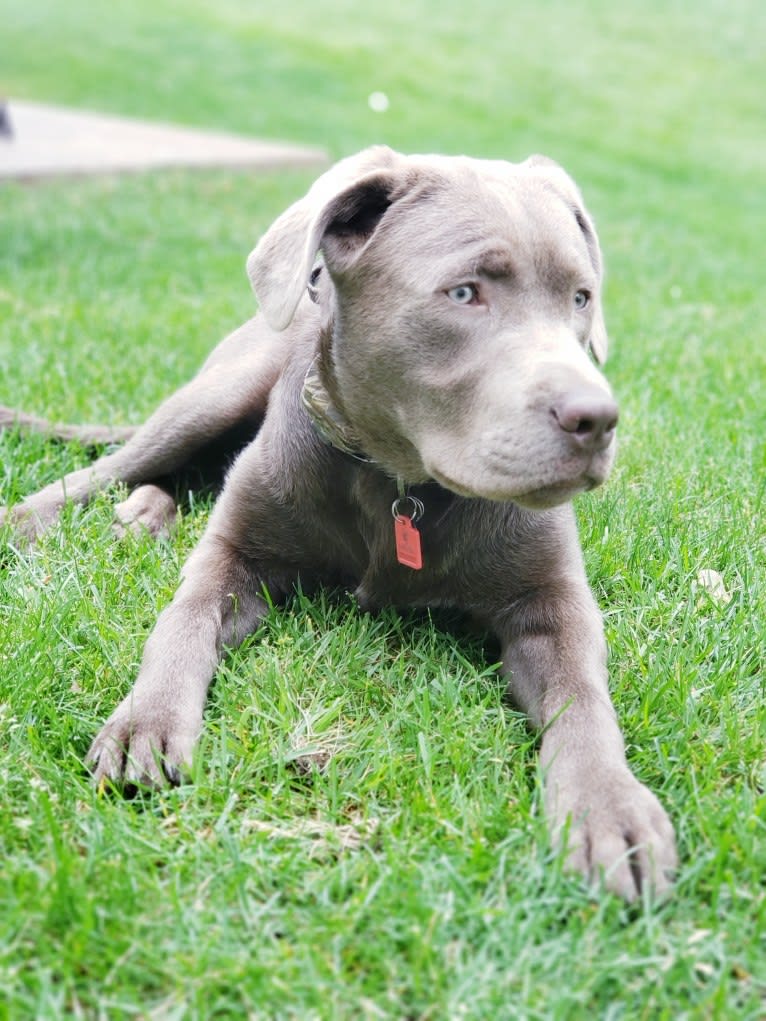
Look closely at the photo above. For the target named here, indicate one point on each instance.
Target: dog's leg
(150, 737)
(152, 452)
(220, 397)
(555, 657)
(88, 435)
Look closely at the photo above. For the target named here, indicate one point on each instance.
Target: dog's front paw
(615, 830)
(144, 743)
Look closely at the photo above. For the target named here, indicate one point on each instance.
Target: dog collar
(334, 430)
(328, 421)
(332, 427)
(326, 418)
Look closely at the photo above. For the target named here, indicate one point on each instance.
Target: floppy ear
(349, 200)
(555, 175)
(598, 342)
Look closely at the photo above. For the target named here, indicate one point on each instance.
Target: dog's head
(466, 299)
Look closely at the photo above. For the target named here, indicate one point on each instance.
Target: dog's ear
(557, 178)
(598, 342)
(344, 204)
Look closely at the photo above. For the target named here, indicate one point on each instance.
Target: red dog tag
(407, 537)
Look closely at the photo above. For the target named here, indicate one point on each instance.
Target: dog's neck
(322, 400)
(323, 408)
(320, 395)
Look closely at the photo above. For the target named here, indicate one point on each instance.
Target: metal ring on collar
(417, 507)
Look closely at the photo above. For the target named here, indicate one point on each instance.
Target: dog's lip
(454, 487)
(537, 498)
(554, 494)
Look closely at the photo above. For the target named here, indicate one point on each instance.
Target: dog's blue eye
(581, 300)
(463, 294)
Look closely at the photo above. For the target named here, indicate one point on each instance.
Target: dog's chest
(425, 527)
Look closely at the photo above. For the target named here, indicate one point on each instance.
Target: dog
(409, 415)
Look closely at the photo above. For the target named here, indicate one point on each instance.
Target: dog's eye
(464, 294)
(581, 300)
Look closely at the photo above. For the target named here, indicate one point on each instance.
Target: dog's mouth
(535, 474)
(536, 497)
(551, 496)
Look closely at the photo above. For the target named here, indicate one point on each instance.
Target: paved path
(47, 141)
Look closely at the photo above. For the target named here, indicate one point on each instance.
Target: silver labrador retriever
(414, 415)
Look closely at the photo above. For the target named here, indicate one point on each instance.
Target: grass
(411, 878)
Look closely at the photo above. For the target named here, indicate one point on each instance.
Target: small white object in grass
(378, 102)
(713, 584)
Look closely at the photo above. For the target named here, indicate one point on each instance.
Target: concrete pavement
(46, 141)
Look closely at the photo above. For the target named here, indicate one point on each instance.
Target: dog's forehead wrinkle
(443, 240)
(563, 273)
(489, 217)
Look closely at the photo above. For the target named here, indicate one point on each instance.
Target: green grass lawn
(411, 877)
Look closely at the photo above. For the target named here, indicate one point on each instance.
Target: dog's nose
(589, 416)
